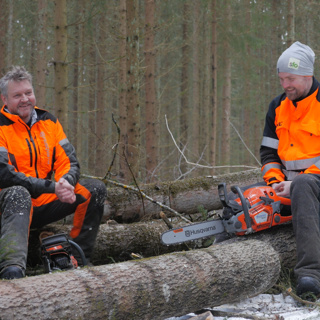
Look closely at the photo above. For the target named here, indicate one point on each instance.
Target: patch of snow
(265, 306)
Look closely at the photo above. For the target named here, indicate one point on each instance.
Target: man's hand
(282, 188)
(65, 191)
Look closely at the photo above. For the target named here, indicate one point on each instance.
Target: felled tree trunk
(184, 196)
(117, 242)
(155, 288)
(282, 239)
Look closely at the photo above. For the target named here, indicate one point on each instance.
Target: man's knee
(16, 191)
(16, 197)
(97, 189)
(305, 183)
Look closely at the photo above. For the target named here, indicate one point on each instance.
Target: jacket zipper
(35, 153)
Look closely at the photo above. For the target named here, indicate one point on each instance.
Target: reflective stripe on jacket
(291, 138)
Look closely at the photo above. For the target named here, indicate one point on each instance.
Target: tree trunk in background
(102, 102)
(91, 110)
(76, 72)
(154, 288)
(291, 22)
(123, 147)
(41, 54)
(226, 99)
(82, 109)
(3, 37)
(246, 114)
(60, 63)
(9, 37)
(213, 111)
(184, 101)
(274, 48)
(151, 109)
(195, 120)
(205, 76)
(133, 104)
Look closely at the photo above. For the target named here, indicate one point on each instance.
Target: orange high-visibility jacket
(291, 137)
(29, 156)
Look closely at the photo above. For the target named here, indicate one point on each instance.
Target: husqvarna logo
(189, 233)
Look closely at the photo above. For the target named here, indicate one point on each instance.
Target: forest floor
(278, 303)
(262, 307)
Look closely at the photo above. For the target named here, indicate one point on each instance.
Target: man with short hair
(33, 149)
(290, 156)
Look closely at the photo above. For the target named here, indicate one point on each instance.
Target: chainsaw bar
(192, 232)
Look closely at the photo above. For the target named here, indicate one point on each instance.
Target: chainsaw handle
(80, 251)
(236, 189)
(222, 191)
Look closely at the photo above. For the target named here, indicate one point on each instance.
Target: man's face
(21, 99)
(295, 86)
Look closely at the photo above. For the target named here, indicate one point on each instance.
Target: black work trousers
(305, 207)
(16, 215)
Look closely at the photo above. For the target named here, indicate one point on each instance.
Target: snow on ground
(267, 306)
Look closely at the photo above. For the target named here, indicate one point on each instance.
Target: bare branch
(124, 186)
(200, 165)
(243, 141)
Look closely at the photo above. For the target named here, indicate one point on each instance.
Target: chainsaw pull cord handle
(80, 251)
(236, 189)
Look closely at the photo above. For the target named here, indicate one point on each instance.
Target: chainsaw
(255, 209)
(57, 253)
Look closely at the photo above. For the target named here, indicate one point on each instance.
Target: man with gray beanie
(290, 156)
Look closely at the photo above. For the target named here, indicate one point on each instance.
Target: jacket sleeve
(66, 164)
(9, 177)
(271, 163)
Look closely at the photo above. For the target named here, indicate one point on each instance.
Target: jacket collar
(15, 118)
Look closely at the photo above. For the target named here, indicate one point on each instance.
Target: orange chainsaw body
(264, 209)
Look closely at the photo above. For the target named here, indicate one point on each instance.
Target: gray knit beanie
(297, 59)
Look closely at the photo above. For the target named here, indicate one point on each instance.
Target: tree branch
(200, 165)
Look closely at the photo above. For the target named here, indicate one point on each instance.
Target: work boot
(308, 284)
(11, 272)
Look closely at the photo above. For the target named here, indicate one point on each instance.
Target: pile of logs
(163, 285)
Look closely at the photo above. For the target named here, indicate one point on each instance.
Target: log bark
(117, 242)
(169, 285)
(282, 239)
(184, 196)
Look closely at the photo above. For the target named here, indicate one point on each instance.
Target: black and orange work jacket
(31, 155)
(291, 137)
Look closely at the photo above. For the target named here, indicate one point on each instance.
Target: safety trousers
(305, 207)
(19, 213)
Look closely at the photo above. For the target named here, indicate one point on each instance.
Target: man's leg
(88, 234)
(57, 210)
(305, 206)
(16, 214)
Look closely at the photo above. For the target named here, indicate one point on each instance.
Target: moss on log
(184, 196)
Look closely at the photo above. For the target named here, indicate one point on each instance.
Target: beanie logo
(294, 63)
